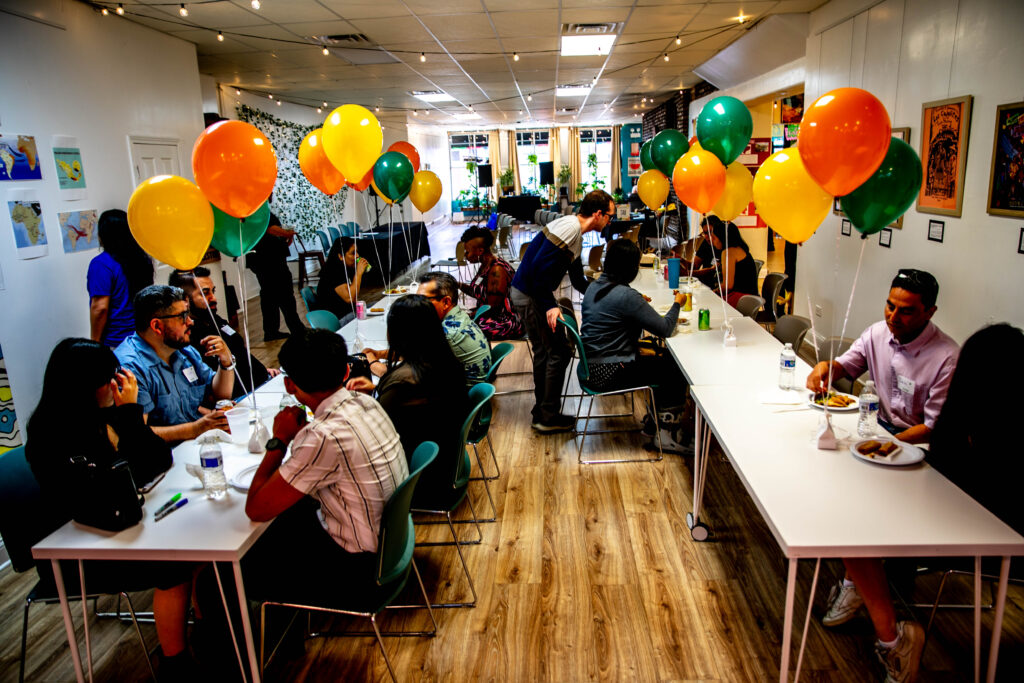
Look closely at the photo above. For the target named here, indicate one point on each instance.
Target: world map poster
(78, 230)
(29, 230)
(19, 159)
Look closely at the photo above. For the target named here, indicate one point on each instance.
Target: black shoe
(559, 423)
(274, 336)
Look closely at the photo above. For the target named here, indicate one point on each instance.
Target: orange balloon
(362, 184)
(843, 139)
(235, 167)
(317, 167)
(408, 150)
(699, 180)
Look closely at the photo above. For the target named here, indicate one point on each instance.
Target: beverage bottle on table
(212, 463)
(787, 367)
(868, 423)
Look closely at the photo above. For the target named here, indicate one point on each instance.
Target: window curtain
(574, 163)
(513, 160)
(493, 140)
(556, 158)
(616, 176)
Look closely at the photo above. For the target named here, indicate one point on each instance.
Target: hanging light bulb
(644, 100)
(325, 104)
(270, 97)
(220, 37)
(237, 91)
(471, 109)
(377, 109)
(665, 56)
(120, 9)
(415, 113)
(515, 56)
(279, 103)
(326, 51)
(423, 57)
(183, 11)
(319, 111)
(679, 41)
(529, 97)
(104, 11)
(255, 4)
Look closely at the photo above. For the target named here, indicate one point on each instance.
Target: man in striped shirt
(326, 500)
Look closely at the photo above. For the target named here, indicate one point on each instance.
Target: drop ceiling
(466, 48)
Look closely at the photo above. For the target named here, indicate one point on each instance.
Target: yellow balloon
(352, 139)
(788, 199)
(381, 194)
(172, 221)
(426, 190)
(738, 191)
(652, 187)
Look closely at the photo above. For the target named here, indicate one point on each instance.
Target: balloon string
(391, 237)
(214, 320)
(245, 308)
(718, 271)
(846, 318)
(405, 234)
(387, 276)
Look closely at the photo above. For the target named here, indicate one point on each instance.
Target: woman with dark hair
(423, 390)
(490, 286)
(88, 418)
(614, 315)
(120, 270)
(341, 278)
(738, 271)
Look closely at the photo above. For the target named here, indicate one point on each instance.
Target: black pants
(660, 371)
(551, 356)
(276, 293)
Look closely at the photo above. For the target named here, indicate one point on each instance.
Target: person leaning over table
(173, 379)
(88, 417)
(340, 279)
(491, 286)
(202, 298)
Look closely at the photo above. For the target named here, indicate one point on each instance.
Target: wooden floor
(588, 574)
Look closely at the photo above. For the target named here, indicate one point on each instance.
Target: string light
(529, 97)
(666, 56)
(220, 37)
(515, 56)
(255, 4)
(183, 11)
(270, 96)
(279, 103)
(423, 57)
(120, 9)
(415, 113)
(104, 11)
(319, 111)
(237, 91)
(325, 104)
(679, 41)
(377, 109)
(326, 51)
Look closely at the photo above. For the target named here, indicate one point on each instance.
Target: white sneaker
(902, 660)
(843, 603)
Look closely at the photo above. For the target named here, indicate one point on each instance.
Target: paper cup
(238, 424)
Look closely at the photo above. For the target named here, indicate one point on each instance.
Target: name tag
(190, 374)
(905, 384)
(227, 330)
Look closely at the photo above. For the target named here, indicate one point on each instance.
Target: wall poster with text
(945, 128)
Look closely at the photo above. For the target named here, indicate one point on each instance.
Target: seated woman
(704, 261)
(738, 270)
(88, 417)
(423, 390)
(614, 315)
(340, 279)
(490, 286)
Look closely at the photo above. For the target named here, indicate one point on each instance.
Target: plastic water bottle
(787, 367)
(868, 423)
(212, 462)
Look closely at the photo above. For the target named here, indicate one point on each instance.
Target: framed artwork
(1020, 242)
(885, 238)
(837, 210)
(936, 230)
(1006, 180)
(945, 125)
(847, 228)
(902, 133)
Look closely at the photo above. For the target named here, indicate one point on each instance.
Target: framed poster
(945, 125)
(936, 230)
(1006, 180)
(904, 135)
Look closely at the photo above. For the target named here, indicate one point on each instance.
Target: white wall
(432, 144)
(908, 52)
(102, 79)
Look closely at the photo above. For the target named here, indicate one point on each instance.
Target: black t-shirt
(746, 276)
(707, 254)
(334, 274)
(271, 246)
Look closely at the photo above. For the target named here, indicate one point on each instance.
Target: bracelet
(378, 360)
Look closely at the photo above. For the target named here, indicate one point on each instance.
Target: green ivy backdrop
(297, 202)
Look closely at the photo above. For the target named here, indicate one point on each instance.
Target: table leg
(69, 626)
(699, 453)
(231, 622)
(977, 619)
(85, 619)
(807, 621)
(997, 624)
(243, 605)
(787, 623)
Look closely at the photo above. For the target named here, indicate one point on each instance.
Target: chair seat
(369, 599)
(444, 497)
(594, 392)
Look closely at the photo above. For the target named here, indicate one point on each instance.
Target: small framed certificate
(936, 230)
(847, 228)
(885, 238)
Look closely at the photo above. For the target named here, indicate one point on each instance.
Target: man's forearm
(223, 383)
(182, 432)
(916, 434)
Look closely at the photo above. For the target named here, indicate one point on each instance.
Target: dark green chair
(308, 298)
(480, 311)
(396, 540)
(334, 233)
(323, 320)
(479, 431)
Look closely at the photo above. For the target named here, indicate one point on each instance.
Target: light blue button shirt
(169, 393)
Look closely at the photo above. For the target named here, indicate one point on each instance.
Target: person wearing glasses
(912, 363)
(173, 379)
(554, 252)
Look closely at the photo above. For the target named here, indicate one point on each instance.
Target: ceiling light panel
(432, 96)
(580, 46)
(572, 90)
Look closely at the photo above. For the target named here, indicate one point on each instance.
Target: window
(531, 143)
(596, 158)
(465, 149)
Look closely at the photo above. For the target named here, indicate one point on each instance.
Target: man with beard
(202, 298)
(173, 379)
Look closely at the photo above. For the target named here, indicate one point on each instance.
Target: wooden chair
(305, 253)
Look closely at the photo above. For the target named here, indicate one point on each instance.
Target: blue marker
(179, 504)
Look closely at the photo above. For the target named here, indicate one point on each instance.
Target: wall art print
(1006, 180)
(945, 128)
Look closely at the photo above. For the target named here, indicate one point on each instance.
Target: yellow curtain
(493, 142)
(556, 158)
(513, 160)
(616, 178)
(575, 165)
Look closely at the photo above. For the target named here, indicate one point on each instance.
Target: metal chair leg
(465, 568)
(138, 632)
(24, 642)
(380, 641)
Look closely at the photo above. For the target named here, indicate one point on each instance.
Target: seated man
(202, 297)
(348, 459)
(173, 379)
(911, 362)
(464, 336)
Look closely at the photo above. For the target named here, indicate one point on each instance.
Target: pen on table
(179, 504)
(166, 506)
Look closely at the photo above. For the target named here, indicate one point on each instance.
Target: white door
(152, 157)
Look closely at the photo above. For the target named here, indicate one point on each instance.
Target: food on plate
(646, 298)
(868, 447)
(883, 450)
(376, 309)
(835, 400)
(397, 290)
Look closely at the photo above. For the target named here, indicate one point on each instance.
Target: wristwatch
(275, 444)
(229, 368)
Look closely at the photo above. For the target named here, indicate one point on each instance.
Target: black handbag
(108, 497)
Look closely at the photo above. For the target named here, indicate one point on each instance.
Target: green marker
(168, 504)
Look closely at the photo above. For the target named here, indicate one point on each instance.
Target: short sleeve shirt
(468, 344)
(349, 458)
(169, 392)
(106, 278)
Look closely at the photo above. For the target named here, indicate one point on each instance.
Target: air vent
(355, 48)
(345, 39)
(590, 29)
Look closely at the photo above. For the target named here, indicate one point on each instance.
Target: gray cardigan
(612, 325)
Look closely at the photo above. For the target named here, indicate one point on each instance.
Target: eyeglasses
(182, 316)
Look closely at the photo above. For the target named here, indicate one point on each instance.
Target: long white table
(204, 530)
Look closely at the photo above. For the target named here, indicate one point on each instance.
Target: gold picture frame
(945, 130)
(1004, 180)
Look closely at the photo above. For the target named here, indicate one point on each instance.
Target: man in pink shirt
(911, 362)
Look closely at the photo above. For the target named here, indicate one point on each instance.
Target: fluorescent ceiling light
(579, 46)
(468, 116)
(432, 96)
(572, 90)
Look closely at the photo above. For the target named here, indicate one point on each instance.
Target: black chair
(770, 290)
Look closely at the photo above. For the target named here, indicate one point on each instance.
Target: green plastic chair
(583, 375)
(396, 540)
(479, 431)
(445, 500)
(334, 233)
(480, 311)
(308, 298)
(323, 320)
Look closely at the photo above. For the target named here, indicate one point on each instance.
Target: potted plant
(564, 174)
(507, 181)
(532, 182)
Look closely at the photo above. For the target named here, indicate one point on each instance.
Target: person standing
(114, 277)
(269, 261)
(554, 252)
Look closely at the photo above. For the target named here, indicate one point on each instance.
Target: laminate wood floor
(588, 574)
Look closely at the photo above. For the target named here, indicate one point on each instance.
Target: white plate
(400, 291)
(908, 454)
(372, 312)
(243, 479)
(852, 408)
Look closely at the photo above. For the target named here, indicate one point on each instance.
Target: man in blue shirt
(173, 379)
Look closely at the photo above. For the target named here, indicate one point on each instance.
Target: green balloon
(724, 127)
(645, 156)
(888, 193)
(666, 148)
(393, 175)
(236, 236)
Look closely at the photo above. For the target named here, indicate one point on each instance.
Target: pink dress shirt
(911, 379)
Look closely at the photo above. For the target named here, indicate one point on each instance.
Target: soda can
(688, 304)
(704, 319)
(361, 310)
(223, 404)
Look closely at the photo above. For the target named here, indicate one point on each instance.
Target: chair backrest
(460, 254)
(770, 289)
(582, 368)
(792, 329)
(334, 233)
(749, 305)
(308, 297)
(325, 241)
(688, 249)
(480, 395)
(397, 536)
(832, 348)
(498, 354)
(594, 261)
(323, 320)
(523, 247)
(568, 312)
(503, 232)
(21, 509)
(759, 264)
(480, 311)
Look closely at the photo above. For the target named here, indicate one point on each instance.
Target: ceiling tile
(391, 30)
(532, 23)
(661, 20)
(282, 12)
(454, 26)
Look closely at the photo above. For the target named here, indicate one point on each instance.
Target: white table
(204, 530)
